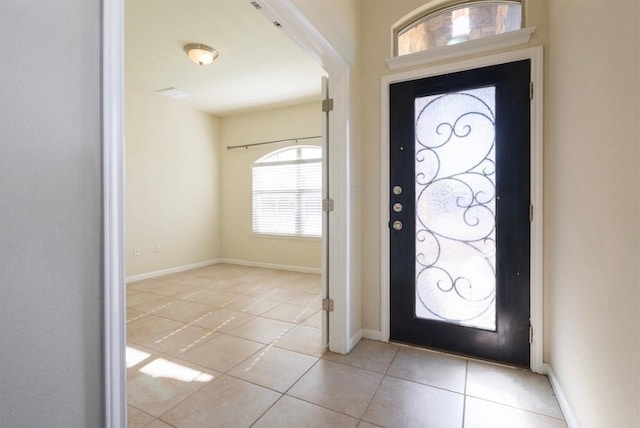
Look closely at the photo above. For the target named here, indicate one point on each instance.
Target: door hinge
(327, 104)
(530, 90)
(327, 305)
(530, 213)
(530, 334)
(327, 205)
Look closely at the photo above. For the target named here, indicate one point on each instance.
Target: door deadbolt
(397, 207)
(397, 225)
(397, 190)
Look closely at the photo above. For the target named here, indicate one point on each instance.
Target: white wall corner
(569, 416)
(354, 339)
(371, 334)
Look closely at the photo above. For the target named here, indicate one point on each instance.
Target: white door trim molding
(535, 55)
(115, 393)
(300, 30)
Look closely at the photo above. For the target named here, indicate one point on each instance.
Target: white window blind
(287, 194)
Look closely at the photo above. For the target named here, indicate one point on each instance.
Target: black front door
(459, 210)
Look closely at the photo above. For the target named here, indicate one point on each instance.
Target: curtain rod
(246, 146)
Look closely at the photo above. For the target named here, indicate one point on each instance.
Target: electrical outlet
(136, 251)
(157, 248)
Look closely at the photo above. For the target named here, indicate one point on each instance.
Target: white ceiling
(257, 65)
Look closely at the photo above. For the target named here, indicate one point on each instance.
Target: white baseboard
(168, 271)
(353, 340)
(176, 269)
(302, 269)
(569, 417)
(371, 334)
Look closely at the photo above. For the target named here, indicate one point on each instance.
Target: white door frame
(535, 55)
(113, 212)
(298, 28)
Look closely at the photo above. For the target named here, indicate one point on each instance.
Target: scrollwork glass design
(455, 207)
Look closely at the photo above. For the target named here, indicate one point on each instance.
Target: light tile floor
(232, 346)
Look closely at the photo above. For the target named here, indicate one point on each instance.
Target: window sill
(486, 44)
(288, 237)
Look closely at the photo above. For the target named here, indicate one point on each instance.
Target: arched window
(287, 192)
(451, 24)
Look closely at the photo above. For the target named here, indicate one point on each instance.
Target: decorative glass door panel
(455, 207)
(459, 229)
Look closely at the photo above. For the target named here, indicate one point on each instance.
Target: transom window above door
(287, 192)
(453, 23)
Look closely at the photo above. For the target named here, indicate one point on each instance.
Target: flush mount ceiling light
(201, 54)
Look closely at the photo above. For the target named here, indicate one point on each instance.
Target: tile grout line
(323, 407)
(204, 384)
(265, 412)
(282, 394)
(140, 410)
(225, 373)
(424, 384)
(464, 397)
(497, 402)
(384, 376)
(161, 420)
(185, 399)
(302, 375)
(311, 402)
(515, 407)
(161, 354)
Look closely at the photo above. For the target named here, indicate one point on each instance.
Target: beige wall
(172, 184)
(592, 208)
(238, 243)
(190, 196)
(377, 18)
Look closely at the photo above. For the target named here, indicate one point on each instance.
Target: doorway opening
(297, 28)
(214, 294)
